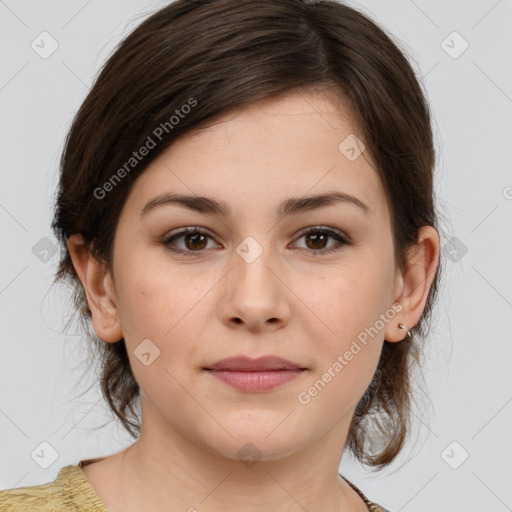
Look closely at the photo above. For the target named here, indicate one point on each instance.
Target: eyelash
(342, 240)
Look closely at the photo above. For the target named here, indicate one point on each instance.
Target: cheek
(165, 307)
(350, 299)
(348, 345)
(350, 308)
(151, 297)
(152, 310)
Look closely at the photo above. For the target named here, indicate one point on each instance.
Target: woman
(246, 211)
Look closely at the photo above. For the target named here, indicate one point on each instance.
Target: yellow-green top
(72, 491)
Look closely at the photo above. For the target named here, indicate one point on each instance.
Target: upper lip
(247, 364)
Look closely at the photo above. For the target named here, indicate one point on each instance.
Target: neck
(167, 469)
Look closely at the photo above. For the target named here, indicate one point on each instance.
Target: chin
(251, 445)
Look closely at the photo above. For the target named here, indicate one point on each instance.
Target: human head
(195, 61)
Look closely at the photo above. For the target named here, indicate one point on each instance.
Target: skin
(214, 304)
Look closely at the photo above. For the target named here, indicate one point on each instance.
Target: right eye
(194, 239)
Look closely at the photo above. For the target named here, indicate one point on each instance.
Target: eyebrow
(292, 206)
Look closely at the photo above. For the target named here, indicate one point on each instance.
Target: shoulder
(70, 490)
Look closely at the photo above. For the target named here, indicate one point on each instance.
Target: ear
(414, 284)
(99, 290)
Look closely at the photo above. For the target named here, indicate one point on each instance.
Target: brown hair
(221, 55)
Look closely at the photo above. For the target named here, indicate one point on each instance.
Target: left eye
(196, 240)
(317, 236)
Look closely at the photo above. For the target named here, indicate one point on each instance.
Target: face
(307, 282)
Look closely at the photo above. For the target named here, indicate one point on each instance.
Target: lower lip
(256, 381)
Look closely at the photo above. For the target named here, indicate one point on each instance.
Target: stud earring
(409, 333)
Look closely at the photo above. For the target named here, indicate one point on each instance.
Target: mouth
(255, 375)
(256, 381)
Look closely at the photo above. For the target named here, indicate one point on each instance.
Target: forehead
(293, 145)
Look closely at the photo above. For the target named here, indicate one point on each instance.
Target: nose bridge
(254, 293)
(252, 261)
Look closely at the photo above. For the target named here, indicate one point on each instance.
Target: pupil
(194, 237)
(317, 236)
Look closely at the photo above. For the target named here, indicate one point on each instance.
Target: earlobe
(415, 283)
(99, 290)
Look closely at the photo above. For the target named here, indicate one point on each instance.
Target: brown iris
(320, 237)
(197, 238)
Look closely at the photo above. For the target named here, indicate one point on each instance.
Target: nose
(255, 295)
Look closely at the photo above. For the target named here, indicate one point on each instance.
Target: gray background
(460, 458)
